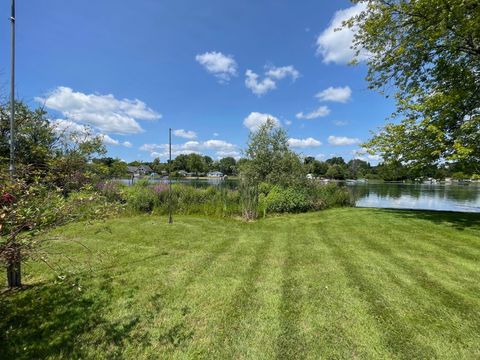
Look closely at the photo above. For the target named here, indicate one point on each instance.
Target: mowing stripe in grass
(243, 301)
(438, 332)
(448, 298)
(290, 342)
(457, 244)
(398, 335)
(333, 314)
(406, 242)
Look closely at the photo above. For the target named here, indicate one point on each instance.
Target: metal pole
(170, 218)
(12, 95)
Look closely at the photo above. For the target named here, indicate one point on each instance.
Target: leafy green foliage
(429, 50)
(25, 210)
(289, 200)
(228, 166)
(270, 159)
(249, 201)
(35, 139)
(336, 172)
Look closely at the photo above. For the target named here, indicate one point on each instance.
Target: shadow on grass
(290, 343)
(459, 220)
(49, 320)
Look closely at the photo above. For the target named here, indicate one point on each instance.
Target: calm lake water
(444, 197)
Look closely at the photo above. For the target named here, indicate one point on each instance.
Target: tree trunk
(14, 270)
(14, 275)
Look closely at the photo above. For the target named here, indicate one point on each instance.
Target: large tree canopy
(270, 158)
(429, 50)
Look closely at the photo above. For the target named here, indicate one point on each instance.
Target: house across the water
(139, 170)
(215, 174)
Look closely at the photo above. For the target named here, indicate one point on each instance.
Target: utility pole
(12, 95)
(170, 218)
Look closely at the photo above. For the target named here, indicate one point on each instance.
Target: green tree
(196, 163)
(392, 171)
(336, 171)
(180, 163)
(336, 161)
(271, 159)
(309, 162)
(208, 161)
(35, 139)
(228, 165)
(430, 51)
(357, 168)
(320, 168)
(71, 168)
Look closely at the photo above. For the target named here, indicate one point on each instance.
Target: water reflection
(418, 196)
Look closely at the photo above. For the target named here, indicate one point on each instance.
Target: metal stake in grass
(170, 217)
(12, 95)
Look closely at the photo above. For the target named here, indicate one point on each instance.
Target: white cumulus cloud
(304, 143)
(127, 144)
(342, 140)
(103, 112)
(220, 147)
(335, 94)
(280, 73)
(362, 154)
(107, 140)
(78, 132)
(223, 154)
(256, 119)
(185, 134)
(340, 123)
(334, 45)
(258, 87)
(223, 67)
(61, 126)
(322, 111)
(272, 74)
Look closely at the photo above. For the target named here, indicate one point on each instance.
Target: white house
(215, 174)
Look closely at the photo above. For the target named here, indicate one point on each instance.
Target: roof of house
(144, 168)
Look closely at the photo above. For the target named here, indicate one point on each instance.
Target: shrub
(111, 191)
(89, 205)
(141, 197)
(330, 195)
(25, 209)
(459, 176)
(281, 200)
(248, 201)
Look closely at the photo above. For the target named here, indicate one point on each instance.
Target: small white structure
(215, 174)
(310, 177)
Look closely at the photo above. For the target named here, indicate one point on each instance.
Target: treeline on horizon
(336, 168)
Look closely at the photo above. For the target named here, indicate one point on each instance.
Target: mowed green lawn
(338, 284)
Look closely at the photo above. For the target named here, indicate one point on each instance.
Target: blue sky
(212, 68)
